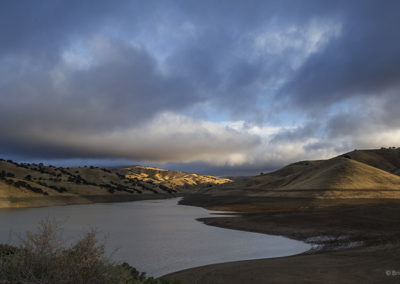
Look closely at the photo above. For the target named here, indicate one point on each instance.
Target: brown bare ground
(375, 224)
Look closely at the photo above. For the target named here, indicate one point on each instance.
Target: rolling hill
(24, 185)
(358, 174)
(31, 185)
(387, 159)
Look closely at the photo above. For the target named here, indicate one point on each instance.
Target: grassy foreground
(43, 257)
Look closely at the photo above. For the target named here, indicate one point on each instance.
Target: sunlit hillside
(345, 176)
(39, 185)
(387, 159)
(170, 179)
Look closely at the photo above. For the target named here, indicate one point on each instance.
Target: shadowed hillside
(170, 179)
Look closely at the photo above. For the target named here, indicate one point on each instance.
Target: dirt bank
(372, 227)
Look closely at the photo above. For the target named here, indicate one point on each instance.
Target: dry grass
(26, 185)
(340, 177)
(171, 179)
(384, 159)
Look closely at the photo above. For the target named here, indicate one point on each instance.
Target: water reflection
(156, 236)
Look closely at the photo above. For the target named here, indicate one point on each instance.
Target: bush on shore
(43, 257)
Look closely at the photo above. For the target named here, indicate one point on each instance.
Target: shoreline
(333, 228)
(48, 201)
(372, 225)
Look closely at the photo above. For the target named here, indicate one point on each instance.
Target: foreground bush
(43, 258)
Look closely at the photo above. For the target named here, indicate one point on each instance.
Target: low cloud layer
(227, 87)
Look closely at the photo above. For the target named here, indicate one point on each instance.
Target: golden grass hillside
(387, 159)
(340, 177)
(170, 179)
(25, 185)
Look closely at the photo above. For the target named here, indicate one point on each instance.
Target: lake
(155, 236)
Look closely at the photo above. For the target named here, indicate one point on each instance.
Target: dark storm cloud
(123, 88)
(308, 130)
(118, 79)
(363, 61)
(44, 26)
(349, 124)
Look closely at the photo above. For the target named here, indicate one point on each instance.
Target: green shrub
(43, 257)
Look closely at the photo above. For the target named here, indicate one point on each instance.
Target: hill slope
(338, 177)
(170, 179)
(384, 159)
(23, 185)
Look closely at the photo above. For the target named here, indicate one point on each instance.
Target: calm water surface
(156, 236)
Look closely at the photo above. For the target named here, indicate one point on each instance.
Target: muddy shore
(353, 240)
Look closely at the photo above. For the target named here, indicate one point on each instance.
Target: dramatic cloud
(363, 61)
(168, 137)
(226, 86)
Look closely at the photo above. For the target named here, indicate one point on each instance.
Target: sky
(219, 87)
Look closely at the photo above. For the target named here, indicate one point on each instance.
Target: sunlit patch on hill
(170, 179)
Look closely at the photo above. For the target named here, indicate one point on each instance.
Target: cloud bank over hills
(227, 85)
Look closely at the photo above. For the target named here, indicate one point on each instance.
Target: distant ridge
(170, 179)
